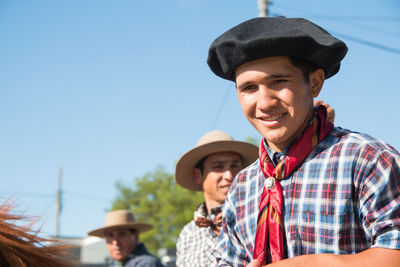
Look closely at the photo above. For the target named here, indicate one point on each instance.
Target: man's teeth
(274, 118)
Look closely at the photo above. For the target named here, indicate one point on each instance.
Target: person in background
(210, 167)
(318, 195)
(121, 233)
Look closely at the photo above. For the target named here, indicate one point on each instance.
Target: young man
(319, 195)
(210, 167)
(121, 232)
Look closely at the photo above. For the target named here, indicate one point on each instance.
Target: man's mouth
(275, 118)
(225, 186)
(117, 250)
(272, 120)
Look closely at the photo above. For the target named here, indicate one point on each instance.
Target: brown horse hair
(20, 246)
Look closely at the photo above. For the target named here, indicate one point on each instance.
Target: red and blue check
(343, 199)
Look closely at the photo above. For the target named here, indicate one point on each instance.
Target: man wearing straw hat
(210, 167)
(319, 195)
(121, 232)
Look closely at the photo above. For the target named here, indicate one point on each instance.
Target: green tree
(155, 198)
(253, 140)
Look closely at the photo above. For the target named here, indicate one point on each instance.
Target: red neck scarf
(269, 241)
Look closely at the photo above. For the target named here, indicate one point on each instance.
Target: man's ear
(136, 234)
(197, 175)
(317, 79)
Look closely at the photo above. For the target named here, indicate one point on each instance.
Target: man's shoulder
(358, 141)
(350, 146)
(192, 231)
(189, 228)
(247, 175)
(144, 259)
(248, 172)
(245, 186)
(195, 246)
(141, 257)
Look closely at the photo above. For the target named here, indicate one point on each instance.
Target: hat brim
(186, 163)
(140, 227)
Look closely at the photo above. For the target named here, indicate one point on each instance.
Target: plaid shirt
(196, 246)
(343, 199)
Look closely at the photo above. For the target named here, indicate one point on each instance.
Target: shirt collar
(139, 249)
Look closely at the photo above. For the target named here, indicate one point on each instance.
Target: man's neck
(211, 204)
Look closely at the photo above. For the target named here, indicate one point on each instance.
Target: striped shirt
(343, 199)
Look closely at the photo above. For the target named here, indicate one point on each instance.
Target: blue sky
(109, 90)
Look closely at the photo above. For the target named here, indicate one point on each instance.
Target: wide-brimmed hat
(210, 143)
(275, 36)
(120, 219)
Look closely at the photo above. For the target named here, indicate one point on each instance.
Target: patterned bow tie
(213, 219)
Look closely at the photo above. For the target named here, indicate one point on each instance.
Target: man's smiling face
(218, 172)
(276, 98)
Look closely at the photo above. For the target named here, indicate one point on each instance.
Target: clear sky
(109, 90)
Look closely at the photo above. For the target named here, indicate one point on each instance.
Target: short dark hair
(306, 67)
(200, 164)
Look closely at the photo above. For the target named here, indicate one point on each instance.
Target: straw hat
(120, 219)
(210, 143)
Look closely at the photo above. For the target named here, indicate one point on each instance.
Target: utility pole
(263, 8)
(59, 201)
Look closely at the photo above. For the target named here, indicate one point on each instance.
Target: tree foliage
(253, 140)
(155, 198)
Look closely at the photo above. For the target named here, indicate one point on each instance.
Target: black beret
(275, 36)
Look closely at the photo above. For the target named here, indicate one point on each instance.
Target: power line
(344, 20)
(373, 29)
(7, 194)
(341, 17)
(221, 107)
(356, 39)
(85, 196)
(363, 18)
(367, 43)
(27, 194)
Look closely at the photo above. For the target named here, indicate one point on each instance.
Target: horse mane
(21, 246)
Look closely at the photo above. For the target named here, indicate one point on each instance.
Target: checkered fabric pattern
(343, 199)
(196, 246)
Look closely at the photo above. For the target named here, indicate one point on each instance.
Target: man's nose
(228, 175)
(266, 98)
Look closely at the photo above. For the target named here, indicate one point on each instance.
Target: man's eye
(235, 167)
(121, 233)
(249, 88)
(279, 81)
(218, 167)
